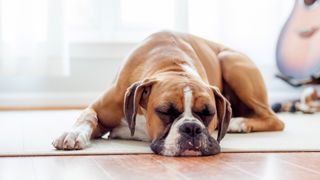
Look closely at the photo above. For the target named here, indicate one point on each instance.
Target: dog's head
(181, 114)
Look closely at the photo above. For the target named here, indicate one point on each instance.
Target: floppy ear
(223, 112)
(137, 94)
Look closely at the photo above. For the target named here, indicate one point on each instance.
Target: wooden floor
(269, 166)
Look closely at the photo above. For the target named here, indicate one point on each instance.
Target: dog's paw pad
(238, 125)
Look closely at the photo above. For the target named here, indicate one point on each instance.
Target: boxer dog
(174, 90)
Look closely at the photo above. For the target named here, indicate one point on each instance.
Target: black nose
(190, 129)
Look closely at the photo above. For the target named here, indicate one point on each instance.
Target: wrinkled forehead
(185, 98)
(196, 101)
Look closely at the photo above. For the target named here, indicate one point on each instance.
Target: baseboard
(53, 100)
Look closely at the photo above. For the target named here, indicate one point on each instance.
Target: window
(122, 20)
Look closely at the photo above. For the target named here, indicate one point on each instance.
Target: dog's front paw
(71, 141)
(238, 125)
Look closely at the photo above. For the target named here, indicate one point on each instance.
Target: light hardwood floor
(269, 166)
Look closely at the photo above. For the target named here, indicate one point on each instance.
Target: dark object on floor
(276, 107)
(286, 107)
(309, 102)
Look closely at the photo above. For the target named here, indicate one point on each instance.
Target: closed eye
(167, 115)
(206, 114)
(206, 111)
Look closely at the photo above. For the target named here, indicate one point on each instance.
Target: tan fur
(162, 54)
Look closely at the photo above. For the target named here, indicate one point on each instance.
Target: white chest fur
(123, 132)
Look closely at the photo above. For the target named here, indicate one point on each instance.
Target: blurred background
(66, 52)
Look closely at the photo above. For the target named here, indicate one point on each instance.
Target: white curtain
(32, 38)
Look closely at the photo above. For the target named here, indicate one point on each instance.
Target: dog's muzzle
(186, 137)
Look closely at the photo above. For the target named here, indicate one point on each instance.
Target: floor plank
(309, 160)
(68, 168)
(223, 166)
(136, 167)
(202, 167)
(271, 166)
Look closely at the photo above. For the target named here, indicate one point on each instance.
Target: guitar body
(298, 47)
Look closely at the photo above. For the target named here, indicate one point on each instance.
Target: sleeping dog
(174, 90)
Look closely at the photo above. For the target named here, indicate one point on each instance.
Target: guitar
(298, 47)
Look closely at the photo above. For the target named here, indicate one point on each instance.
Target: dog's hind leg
(245, 80)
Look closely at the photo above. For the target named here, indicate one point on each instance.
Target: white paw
(237, 125)
(74, 140)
